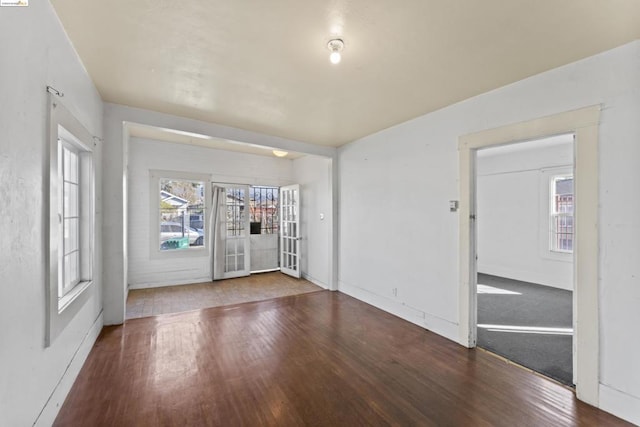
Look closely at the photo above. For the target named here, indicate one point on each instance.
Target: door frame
(584, 124)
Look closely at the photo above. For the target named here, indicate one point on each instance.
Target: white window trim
(60, 310)
(154, 221)
(545, 248)
(552, 213)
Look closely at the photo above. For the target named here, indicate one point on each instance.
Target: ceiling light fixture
(335, 46)
(279, 153)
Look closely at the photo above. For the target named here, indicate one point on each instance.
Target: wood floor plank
(318, 359)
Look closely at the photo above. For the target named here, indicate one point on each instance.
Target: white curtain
(218, 232)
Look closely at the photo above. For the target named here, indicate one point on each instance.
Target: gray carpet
(528, 324)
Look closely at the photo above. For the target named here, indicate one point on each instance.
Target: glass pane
(73, 167)
(240, 247)
(240, 263)
(74, 265)
(230, 264)
(181, 207)
(70, 200)
(71, 235)
(231, 247)
(66, 163)
(66, 272)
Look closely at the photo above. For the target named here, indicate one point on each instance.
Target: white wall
(513, 211)
(35, 52)
(396, 230)
(313, 173)
(145, 270)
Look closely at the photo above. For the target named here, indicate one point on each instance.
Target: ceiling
(263, 65)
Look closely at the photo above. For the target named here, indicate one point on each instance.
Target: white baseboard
(315, 281)
(524, 276)
(59, 394)
(620, 404)
(425, 320)
(162, 284)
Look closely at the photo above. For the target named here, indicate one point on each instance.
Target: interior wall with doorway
(145, 155)
(524, 259)
(415, 166)
(513, 202)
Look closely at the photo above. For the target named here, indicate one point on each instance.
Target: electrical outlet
(394, 291)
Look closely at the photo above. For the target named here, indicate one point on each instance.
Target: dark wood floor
(320, 359)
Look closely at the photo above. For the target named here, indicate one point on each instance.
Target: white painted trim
(154, 220)
(432, 323)
(164, 283)
(619, 403)
(316, 282)
(544, 244)
(584, 124)
(50, 410)
(161, 120)
(266, 270)
(334, 236)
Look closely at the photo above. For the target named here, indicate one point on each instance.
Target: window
(561, 224)
(68, 158)
(263, 208)
(75, 191)
(182, 214)
(71, 226)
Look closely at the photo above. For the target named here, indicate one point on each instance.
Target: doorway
(240, 214)
(584, 124)
(524, 286)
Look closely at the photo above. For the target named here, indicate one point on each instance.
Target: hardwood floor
(318, 359)
(175, 299)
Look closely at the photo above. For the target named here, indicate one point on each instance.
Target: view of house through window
(182, 214)
(562, 214)
(263, 208)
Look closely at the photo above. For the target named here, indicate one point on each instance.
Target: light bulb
(280, 153)
(335, 46)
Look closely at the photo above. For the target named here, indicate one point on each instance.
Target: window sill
(560, 256)
(180, 253)
(72, 295)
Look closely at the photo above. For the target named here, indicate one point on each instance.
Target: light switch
(453, 206)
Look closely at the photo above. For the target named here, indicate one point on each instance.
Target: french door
(233, 244)
(290, 230)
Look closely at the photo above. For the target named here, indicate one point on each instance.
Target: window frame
(155, 177)
(63, 304)
(545, 213)
(554, 214)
